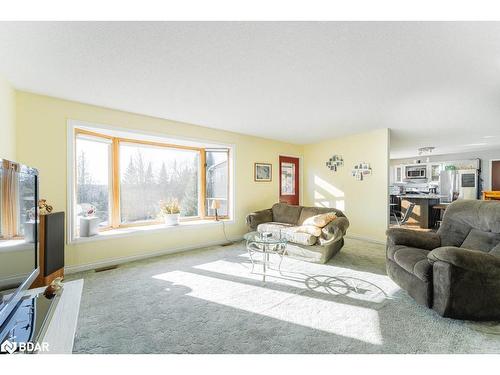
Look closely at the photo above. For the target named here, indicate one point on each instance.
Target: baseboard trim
(122, 260)
(175, 250)
(367, 239)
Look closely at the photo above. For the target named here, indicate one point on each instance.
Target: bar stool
(406, 216)
(438, 212)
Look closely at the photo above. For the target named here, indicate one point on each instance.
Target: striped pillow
(321, 220)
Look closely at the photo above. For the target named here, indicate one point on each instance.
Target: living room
(162, 181)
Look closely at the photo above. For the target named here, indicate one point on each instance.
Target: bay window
(121, 181)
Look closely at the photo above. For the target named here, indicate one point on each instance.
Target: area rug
(208, 301)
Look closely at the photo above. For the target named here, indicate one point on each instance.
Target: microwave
(416, 172)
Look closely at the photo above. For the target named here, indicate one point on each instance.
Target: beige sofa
(282, 218)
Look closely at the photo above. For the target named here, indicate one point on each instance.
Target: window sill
(148, 229)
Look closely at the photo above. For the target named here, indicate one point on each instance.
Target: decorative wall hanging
(263, 172)
(361, 170)
(335, 162)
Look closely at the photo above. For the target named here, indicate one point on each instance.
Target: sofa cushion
(479, 240)
(478, 214)
(414, 261)
(272, 227)
(289, 232)
(300, 238)
(310, 229)
(286, 213)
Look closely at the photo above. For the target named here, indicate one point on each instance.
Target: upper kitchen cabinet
(434, 171)
(398, 173)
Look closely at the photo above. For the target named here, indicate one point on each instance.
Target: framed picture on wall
(263, 172)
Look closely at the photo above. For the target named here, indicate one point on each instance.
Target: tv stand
(28, 322)
(49, 325)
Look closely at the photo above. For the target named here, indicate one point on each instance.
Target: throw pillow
(479, 240)
(309, 229)
(321, 220)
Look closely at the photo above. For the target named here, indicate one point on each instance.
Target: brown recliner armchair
(455, 271)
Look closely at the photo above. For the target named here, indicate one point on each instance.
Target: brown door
(289, 180)
(495, 175)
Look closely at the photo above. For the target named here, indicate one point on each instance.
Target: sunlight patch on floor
(340, 318)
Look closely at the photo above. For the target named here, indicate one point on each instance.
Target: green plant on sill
(170, 207)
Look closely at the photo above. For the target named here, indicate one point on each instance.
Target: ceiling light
(488, 136)
(476, 144)
(426, 150)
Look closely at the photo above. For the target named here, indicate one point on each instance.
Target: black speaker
(54, 243)
(50, 249)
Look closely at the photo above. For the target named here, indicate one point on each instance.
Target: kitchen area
(420, 189)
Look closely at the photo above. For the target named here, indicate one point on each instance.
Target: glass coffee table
(265, 243)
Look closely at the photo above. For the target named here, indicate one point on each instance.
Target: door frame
(301, 176)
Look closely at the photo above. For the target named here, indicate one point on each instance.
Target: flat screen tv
(18, 234)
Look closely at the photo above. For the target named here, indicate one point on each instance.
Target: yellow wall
(41, 134)
(42, 143)
(365, 202)
(16, 262)
(7, 121)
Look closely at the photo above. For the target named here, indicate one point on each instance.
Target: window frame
(115, 204)
(152, 221)
(228, 150)
(90, 137)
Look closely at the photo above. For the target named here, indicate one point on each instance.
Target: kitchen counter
(421, 196)
(423, 213)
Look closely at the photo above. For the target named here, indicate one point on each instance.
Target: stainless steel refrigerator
(448, 185)
(458, 184)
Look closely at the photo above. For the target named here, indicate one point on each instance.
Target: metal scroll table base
(266, 249)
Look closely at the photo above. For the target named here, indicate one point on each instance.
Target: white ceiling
(434, 84)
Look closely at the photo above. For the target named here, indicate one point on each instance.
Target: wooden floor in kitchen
(415, 227)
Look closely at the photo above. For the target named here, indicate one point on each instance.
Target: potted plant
(89, 223)
(170, 211)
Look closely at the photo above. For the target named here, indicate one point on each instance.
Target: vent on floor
(106, 268)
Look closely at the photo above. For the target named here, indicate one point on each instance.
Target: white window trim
(125, 232)
(149, 229)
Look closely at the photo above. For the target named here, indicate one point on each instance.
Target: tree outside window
(148, 173)
(154, 174)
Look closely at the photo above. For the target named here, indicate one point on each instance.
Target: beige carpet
(207, 301)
